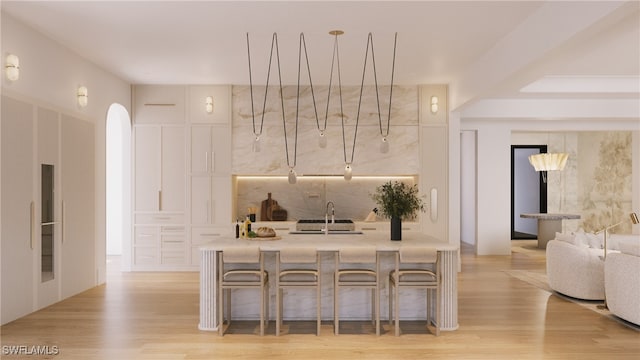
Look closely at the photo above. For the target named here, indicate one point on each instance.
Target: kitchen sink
(318, 225)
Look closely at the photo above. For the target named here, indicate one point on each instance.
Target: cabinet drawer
(145, 236)
(168, 229)
(159, 218)
(174, 258)
(172, 241)
(145, 255)
(203, 235)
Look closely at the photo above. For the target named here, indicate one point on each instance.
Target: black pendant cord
(385, 133)
(284, 121)
(266, 89)
(335, 55)
(303, 45)
(355, 134)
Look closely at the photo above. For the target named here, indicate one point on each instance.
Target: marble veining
(307, 199)
(402, 157)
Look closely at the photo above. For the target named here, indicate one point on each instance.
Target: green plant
(397, 199)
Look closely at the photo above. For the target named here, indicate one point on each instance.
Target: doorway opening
(118, 186)
(528, 191)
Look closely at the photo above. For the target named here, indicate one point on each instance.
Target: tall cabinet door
(18, 210)
(173, 169)
(160, 168)
(202, 160)
(49, 207)
(147, 174)
(78, 205)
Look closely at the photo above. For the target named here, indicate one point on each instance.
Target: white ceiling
(482, 49)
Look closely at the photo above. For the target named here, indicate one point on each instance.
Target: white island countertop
(323, 242)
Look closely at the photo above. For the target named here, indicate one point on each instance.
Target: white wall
(468, 187)
(494, 139)
(49, 76)
(493, 190)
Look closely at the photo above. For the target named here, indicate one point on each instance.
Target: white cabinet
(210, 175)
(78, 205)
(210, 200)
(48, 207)
(48, 202)
(145, 246)
(210, 150)
(182, 173)
(160, 245)
(159, 104)
(18, 210)
(160, 170)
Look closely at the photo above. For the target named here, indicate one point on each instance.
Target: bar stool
(298, 277)
(251, 277)
(415, 277)
(357, 277)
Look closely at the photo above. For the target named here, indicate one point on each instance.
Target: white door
(49, 207)
(78, 210)
(147, 164)
(173, 169)
(201, 155)
(18, 211)
(221, 153)
(200, 200)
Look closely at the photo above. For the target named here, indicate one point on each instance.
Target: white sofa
(574, 269)
(622, 280)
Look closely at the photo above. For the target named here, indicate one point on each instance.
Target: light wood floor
(155, 316)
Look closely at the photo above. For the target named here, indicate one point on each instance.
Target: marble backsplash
(307, 199)
(402, 157)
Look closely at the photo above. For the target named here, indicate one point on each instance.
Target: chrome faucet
(333, 211)
(326, 216)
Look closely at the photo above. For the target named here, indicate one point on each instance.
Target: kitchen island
(356, 305)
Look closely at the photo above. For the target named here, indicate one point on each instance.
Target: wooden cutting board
(266, 209)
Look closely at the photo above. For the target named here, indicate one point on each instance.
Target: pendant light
(255, 146)
(384, 145)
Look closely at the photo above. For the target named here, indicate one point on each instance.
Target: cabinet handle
(144, 235)
(62, 223)
(369, 228)
(172, 228)
(206, 161)
(213, 161)
(162, 217)
(159, 200)
(32, 224)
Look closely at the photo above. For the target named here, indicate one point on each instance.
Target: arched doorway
(119, 185)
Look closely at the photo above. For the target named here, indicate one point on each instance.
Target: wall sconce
(12, 67)
(209, 104)
(434, 104)
(83, 96)
(547, 162)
